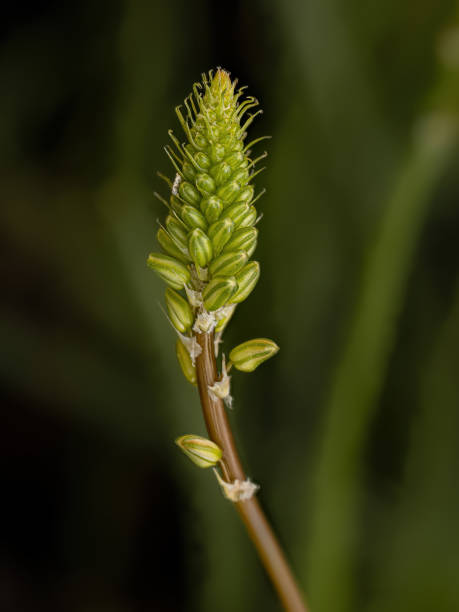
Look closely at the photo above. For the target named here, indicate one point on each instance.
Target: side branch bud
(203, 452)
(249, 355)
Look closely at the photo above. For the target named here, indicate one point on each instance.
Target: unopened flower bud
(188, 170)
(235, 159)
(203, 452)
(184, 359)
(236, 212)
(200, 248)
(173, 272)
(212, 207)
(178, 231)
(202, 159)
(244, 239)
(217, 152)
(249, 355)
(169, 246)
(179, 311)
(246, 280)
(205, 183)
(219, 233)
(229, 192)
(228, 264)
(246, 194)
(218, 292)
(192, 217)
(189, 193)
(221, 172)
(201, 141)
(241, 176)
(249, 218)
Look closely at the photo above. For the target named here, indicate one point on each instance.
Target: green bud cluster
(209, 234)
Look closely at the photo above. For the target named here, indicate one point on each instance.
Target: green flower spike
(207, 241)
(203, 452)
(209, 232)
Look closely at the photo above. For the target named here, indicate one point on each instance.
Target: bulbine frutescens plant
(208, 238)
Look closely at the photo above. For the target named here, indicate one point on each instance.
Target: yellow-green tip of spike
(221, 81)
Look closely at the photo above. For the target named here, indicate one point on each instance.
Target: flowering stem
(249, 510)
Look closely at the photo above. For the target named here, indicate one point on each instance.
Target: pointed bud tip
(221, 80)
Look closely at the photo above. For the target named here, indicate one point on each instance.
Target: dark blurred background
(352, 429)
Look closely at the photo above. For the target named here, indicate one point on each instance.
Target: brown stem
(250, 510)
